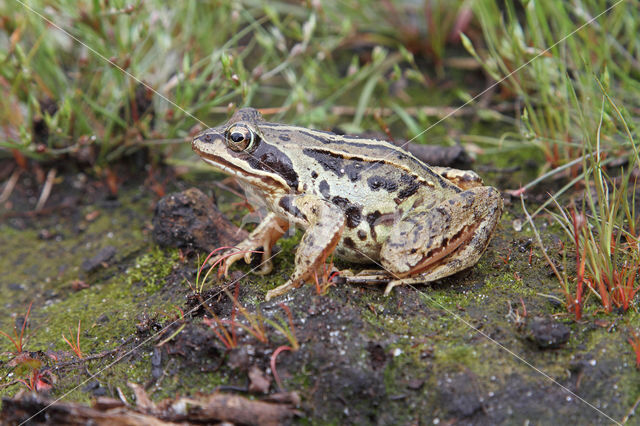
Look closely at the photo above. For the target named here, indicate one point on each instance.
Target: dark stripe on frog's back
(340, 166)
(375, 150)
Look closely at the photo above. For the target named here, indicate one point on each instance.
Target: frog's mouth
(263, 181)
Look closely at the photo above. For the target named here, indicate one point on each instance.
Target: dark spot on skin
(309, 239)
(338, 165)
(267, 157)
(354, 216)
(285, 137)
(469, 198)
(352, 211)
(371, 219)
(377, 218)
(314, 174)
(377, 182)
(362, 235)
(324, 189)
(287, 205)
(410, 188)
(444, 213)
(341, 202)
(349, 243)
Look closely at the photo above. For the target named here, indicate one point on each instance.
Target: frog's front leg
(444, 240)
(325, 225)
(265, 235)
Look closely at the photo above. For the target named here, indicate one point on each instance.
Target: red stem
(273, 364)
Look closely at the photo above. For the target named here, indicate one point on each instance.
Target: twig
(46, 189)
(535, 232)
(11, 184)
(631, 411)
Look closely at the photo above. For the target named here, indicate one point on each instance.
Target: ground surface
(458, 351)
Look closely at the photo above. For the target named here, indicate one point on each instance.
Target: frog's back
(356, 166)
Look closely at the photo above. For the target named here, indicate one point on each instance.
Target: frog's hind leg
(432, 244)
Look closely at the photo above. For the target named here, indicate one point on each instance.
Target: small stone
(517, 225)
(100, 259)
(189, 219)
(377, 355)
(459, 395)
(156, 363)
(548, 333)
(103, 319)
(258, 381)
(415, 384)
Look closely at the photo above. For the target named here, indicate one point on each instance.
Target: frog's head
(239, 149)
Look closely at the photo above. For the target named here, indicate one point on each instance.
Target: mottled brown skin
(365, 200)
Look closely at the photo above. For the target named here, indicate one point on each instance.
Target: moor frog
(365, 200)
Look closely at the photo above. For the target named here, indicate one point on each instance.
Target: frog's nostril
(207, 137)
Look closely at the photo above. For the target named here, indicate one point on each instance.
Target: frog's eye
(241, 138)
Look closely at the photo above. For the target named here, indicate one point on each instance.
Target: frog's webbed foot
(326, 223)
(264, 236)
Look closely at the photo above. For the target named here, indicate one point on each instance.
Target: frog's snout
(201, 140)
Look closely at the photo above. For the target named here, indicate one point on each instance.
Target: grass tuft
(75, 346)
(605, 234)
(19, 339)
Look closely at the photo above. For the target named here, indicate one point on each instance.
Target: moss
(152, 269)
(108, 310)
(456, 356)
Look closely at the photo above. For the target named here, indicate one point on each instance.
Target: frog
(362, 200)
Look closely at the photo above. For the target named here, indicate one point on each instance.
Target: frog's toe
(280, 290)
(266, 268)
(366, 277)
(227, 261)
(391, 285)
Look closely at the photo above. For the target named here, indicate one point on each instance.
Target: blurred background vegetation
(356, 65)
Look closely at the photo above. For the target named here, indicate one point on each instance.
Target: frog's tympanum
(365, 200)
